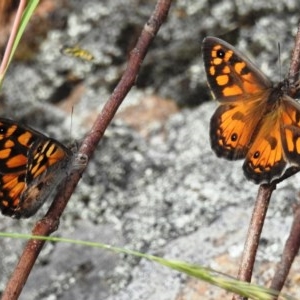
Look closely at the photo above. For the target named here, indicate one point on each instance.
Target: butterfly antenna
(71, 123)
(279, 61)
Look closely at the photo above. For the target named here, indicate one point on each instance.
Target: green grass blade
(208, 275)
(28, 12)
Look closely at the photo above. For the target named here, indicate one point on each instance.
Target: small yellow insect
(78, 52)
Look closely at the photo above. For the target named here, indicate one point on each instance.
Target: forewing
(45, 153)
(230, 75)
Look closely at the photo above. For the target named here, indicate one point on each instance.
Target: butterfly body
(31, 166)
(256, 120)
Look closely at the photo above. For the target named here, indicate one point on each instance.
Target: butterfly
(31, 166)
(256, 120)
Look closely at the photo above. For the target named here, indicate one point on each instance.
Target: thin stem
(254, 232)
(12, 37)
(290, 251)
(295, 61)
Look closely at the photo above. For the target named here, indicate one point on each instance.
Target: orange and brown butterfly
(31, 166)
(256, 120)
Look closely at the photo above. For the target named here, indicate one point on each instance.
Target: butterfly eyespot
(3, 129)
(220, 53)
(39, 149)
(234, 137)
(256, 154)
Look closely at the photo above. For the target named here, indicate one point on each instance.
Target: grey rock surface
(160, 191)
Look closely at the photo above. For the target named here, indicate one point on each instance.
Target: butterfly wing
(14, 142)
(232, 127)
(48, 165)
(241, 89)
(266, 160)
(25, 158)
(276, 144)
(290, 130)
(231, 76)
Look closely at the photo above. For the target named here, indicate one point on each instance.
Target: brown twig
(260, 209)
(50, 222)
(254, 232)
(290, 251)
(295, 62)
